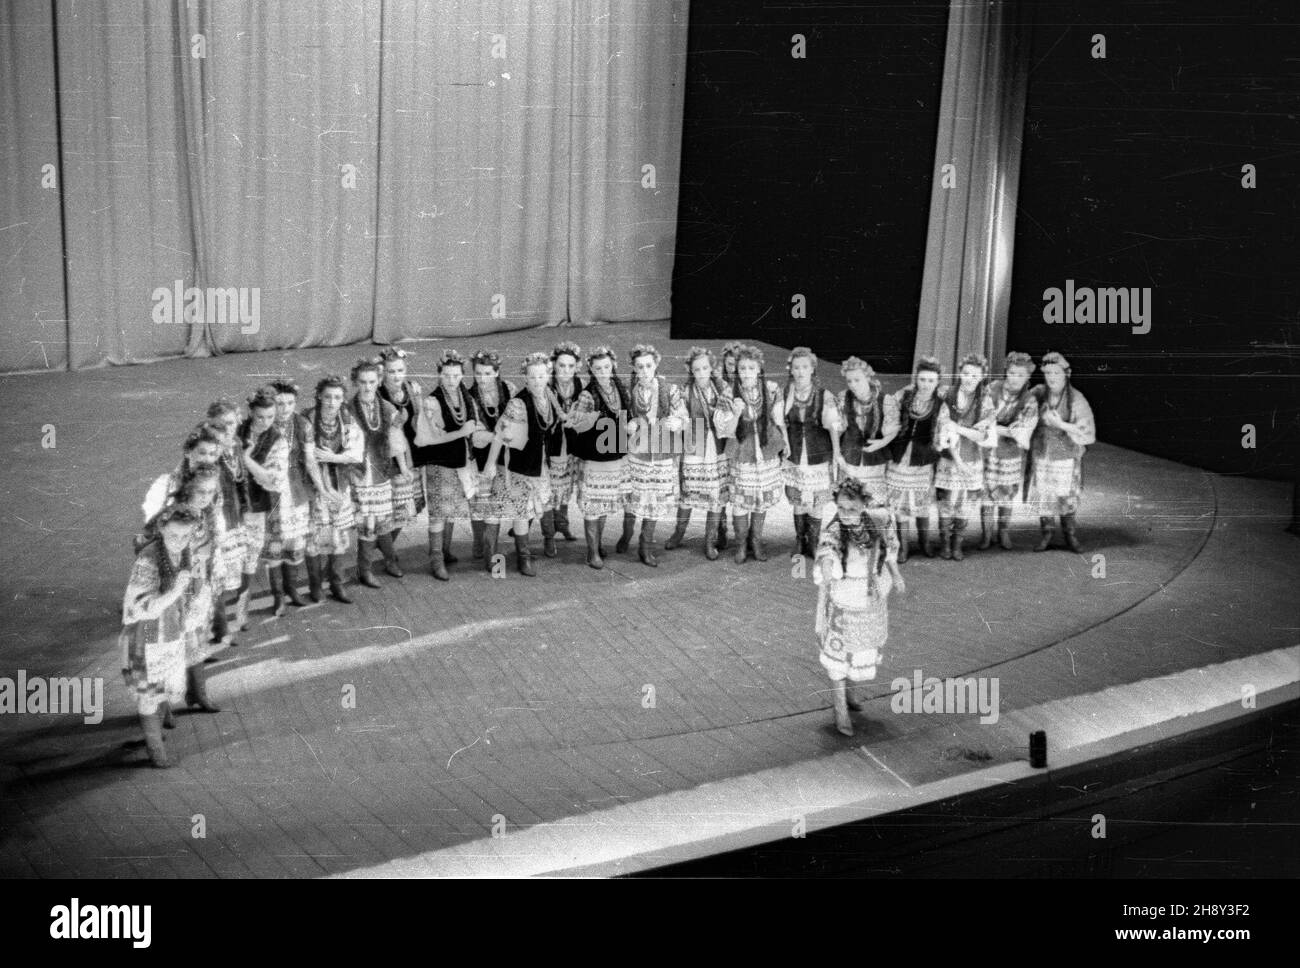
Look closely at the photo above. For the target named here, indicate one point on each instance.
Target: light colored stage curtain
(33, 317)
(967, 280)
(473, 168)
(629, 68)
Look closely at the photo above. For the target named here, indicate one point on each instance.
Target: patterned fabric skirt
(154, 671)
(1003, 478)
(910, 488)
(653, 488)
(806, 485)
(373, 504)
(232, 547)
(518, 497)
(445, 493)
(1056, 486)
(965, 487)
(755, 487)
(852, 626)
(331, 528)
(286, 533)
(565, 473)
(602, 487)
(873, 477)
(254, 540)
(706, 484)
(408, 499)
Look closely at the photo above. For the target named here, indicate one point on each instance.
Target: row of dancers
(278, 487)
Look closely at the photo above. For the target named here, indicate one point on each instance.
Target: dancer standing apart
(565, 465)
(153, 624)
(598, 419)
(490, 394)
(705, 479)
(657, 417)
(198, 493)
(754, 451)
(856, 568)
(870, 422)
(1065, 429)
(1015, 415)
(728, 364)
(922, 417)
(812, 425)
(516, 463)
(384, 457)
(266, 458)
(407, 397)
(959, 480)
(450, 477)
(290, 517)
(236, 570)
(338, 446)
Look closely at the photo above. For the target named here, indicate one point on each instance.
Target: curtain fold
(966, 285)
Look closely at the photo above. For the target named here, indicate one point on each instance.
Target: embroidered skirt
(373, 504)
(807, 485)
(286, 533)
(516, 496)
(254, 539)
(755, 487)
(706, 482)
(232, 547)
(852, 626)
(602, 488)
(408, 499)
(910, 487)
(445, 493)
(1056, 486)
(653, 487)
(154, 670)
(1003, 478)
(965, 487)
(565, 472)
(331, 528)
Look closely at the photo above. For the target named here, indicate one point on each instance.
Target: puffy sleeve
(1085, 432)
(1022, 427)
(354, 442)
(585, 411)
(514, 424)
(156, 498)
(724, 418)
(511, 389)
(988, 417)
(885, 522)
(890, 423)
(276, 466)
(433, 414)
(677, 406)
(831, 414)
(144, 598)
(828, 549)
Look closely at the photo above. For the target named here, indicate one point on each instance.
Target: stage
(585, 721)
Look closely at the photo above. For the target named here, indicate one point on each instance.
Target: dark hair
(204, 433)
(219, 408)
(192, 478)
(284, 387)
(487, 358)
(176, 514)
(263, 398)
(331, 382)
(361, 366)
(755, 355)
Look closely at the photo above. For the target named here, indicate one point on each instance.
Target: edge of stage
(517, 705)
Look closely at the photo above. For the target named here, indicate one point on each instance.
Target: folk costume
(959, 477)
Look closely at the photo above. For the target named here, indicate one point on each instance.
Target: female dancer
(959, 480)
(407, 397)
(597, 418)
(655, 422)
(565, 465)
(1015, 416)
(521, 489)
(1065, 429)
(337, 447)
(153, 624)
(380, 424)
(490, 394)
(856, 568)
(266, 458)
(728, 361)
(754, 451)
(870, 421)
(812, 425)
(922, 419)
(705, 479)
(288, 520)
(450, 476)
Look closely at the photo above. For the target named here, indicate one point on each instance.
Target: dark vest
(607, 424)
(336, 474)
(806, 431)
(968, 449)
(377, 452)
(918, 431)
(701, 415)
(570, 435)
(409, 411)
(299, 433)
(528, 459)
(658, 445)
(488, 421)
(259, 498)
(854, 440)
(1006, 415)
(451, 453)
(234, 494)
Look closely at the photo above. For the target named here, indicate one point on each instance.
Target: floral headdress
(566, 348)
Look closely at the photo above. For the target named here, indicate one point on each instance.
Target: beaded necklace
(366, 409)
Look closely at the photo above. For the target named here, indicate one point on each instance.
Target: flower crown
(695, 352)
(535, 359)
(375, 363)
(1058, 359)
(451, 357)
(566, 348)
(746, 352)
(487, 358)
(644, 349)
(602, 353)
(800, 353)
(1020, 359)
(394, 353)
(853, 363)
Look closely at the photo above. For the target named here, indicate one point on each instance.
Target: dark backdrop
(808, 176)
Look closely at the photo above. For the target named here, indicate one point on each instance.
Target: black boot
(364, 575)
(679, 533)
(196, 691)
(945, 542)
(562, 523)
(290, 575)
(800, 535)
(168, 720)
(220, 624)
(447, 556)
(629, 528)
(153, 739)
(477, 528)
(314, 591)
(741, 525)
(722, 530)
(711, 519)
(600, 535)
(902, 542)
(276, 579)
(1068, 526)
(646, 549)
(548, 535)
(524, 556)
(923, 537)
(987, 516)
(1004, 528)
(491, 532)
(386, 548)
(334, 573)
(813, 533)
(756, 535)
(958, 526)
(438, 565)
(591, 530)
(1048, 527)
